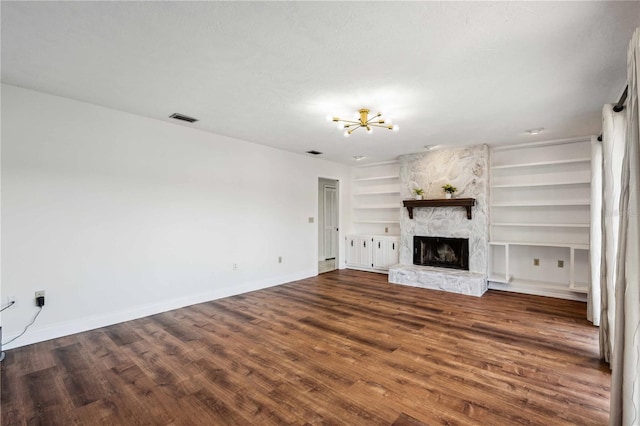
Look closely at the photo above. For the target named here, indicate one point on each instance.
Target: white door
(330, 222)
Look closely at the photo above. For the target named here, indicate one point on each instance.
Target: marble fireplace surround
(467, 169)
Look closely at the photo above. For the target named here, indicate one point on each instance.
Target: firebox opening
(441, 252)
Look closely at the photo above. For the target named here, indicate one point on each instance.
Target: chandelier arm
(379, 125)
(349, 121)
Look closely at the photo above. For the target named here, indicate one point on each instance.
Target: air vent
(314, 152)
(183, 117)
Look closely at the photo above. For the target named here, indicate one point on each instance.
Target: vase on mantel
(447, 195)
(418, 197)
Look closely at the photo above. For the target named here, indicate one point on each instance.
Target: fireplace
(441, 252)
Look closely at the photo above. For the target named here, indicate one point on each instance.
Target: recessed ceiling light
(428, 147)
(534, 131)
(358, 157)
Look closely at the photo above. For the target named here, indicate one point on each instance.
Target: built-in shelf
(539, 206)
(580, 288)
(378, 206)
(539, 184)
(381, 163)
(467, 203)
(543, 163)
(560, 203)
(545, 225)
(543, 284)
(376, 178)
(499, 279)
(376, 221)
(375, 200)
(377, 192)
(528, 243)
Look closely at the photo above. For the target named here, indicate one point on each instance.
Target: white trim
(559, 294)
(542, 143)
(532, 185)
(376, 178)
(542, 163)
(80, 325)
(381, 163)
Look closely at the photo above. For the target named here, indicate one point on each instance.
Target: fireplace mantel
(440, 202)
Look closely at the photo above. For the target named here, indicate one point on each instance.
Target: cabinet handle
(378, 244)
(351, 243)
(364, 244)
(393, 246)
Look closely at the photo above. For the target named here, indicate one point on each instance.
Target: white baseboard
(79, 325)
(358, 268)
(558, 294)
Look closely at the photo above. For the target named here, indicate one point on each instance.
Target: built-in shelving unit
(540, 219)
(376, 199)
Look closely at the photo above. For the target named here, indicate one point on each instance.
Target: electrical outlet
(560, 263)
(386, 229)
(11, 300)
(235, 266)
(40, 298)
(279, 259)
(536, 262)
(311, 219)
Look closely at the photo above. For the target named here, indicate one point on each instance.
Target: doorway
(328, 227)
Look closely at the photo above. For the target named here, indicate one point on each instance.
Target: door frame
(320, 193)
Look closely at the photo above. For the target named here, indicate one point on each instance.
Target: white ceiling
(449, 73)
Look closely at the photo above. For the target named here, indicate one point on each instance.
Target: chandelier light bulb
(395, 128)
(365, 120)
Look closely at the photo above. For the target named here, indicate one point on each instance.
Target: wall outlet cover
(536, 262)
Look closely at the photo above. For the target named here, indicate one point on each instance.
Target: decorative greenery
(419, 191)
(449, 188)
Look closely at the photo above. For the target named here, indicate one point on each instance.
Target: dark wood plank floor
(344, 348)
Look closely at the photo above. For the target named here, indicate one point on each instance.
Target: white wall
(118, 216)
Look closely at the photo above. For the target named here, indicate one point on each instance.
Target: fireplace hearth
(441, 252)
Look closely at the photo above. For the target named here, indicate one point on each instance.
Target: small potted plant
(419, 193)
(449, 190)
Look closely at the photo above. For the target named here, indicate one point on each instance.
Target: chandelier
(365, 121)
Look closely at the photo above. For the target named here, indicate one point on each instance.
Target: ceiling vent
(314, 152)
(183, 117)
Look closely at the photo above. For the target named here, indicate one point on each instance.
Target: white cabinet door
(352, 251)
(392, 252)
(380, 253)
(371, 252)
(364, 248)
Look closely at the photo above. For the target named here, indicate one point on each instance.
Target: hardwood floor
(343, 348)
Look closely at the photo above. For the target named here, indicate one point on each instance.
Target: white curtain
(625, 354)
(613, 145)
(595, 240)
